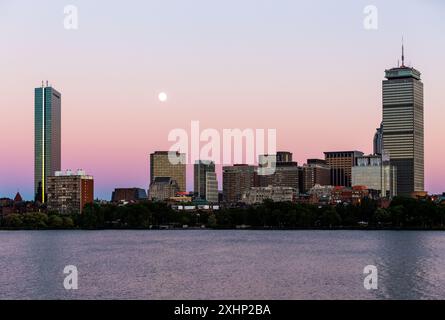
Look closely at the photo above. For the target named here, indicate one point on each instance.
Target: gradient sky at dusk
(306, 68)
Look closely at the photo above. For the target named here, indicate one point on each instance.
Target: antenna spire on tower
(403, 54)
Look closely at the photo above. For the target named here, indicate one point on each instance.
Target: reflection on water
(229, 264)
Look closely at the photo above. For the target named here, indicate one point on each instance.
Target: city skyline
(111, 132)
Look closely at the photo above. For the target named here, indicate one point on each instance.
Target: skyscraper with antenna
(47, 137)
(403, 125)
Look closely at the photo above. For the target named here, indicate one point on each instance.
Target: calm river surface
(222, 264)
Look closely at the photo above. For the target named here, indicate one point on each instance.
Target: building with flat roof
(200, 170)
(341, 163)
(376, 173)
(128, 195)
(276, 194)
(47, 138)
(169, 164)
(237, 180)
(69, 191)
(316, 171)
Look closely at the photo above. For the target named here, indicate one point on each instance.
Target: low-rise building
(162, 188)
(276, 194)
(128, 195)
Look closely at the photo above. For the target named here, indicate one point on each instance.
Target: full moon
(162, 97)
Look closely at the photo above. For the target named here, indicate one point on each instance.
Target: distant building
(237, 180)
(211, 184)
(168, 164)
(18, 198)
(376, 173)
(378, 140)
(47, 138)
(276, 194)
(321, 194)
(316, 171)
(69, 192)
(128, 195)
(278, 170)
(201, 168)
(341, 163)
(163, 188)
(352, 195)
(403, 126)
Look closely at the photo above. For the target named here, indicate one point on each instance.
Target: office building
(211, 185)
(237, 180)
(47, 138)
(403, 132)
(69, 192)
(276, 194)
(280, 173)
(316, 171)
(341, 163)
(201, 168)
(378, 140)
(128, 195)
(163, 188)
(169, 164)
(375, 172)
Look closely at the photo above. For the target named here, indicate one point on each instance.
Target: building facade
(375, 172)
(200, 170)
(237, 180)
(403, 131)
(128, 195)
(276, 194)
(341, 163)
(47, 138)
(316, 171)
(169, 164)
(163, 188)
(69, 192)
(211, 185)
(279, 171)
(378, 140)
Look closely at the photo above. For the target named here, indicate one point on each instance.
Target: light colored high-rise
(211, 186)
(201, 168)
(375, 172)
(168, 164)
(47, 138)
(403, 136)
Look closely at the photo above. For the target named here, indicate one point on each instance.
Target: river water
(222, 264)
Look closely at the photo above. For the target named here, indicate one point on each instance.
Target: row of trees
(402, 213)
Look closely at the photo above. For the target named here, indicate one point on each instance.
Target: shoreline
(237, 229)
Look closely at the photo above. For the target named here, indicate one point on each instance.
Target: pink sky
(310, 71)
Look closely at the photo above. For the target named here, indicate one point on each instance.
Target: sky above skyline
(308, 69)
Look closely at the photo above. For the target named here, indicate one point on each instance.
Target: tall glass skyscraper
(403, 126)
(47, 137)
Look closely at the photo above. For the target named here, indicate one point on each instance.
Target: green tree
(330, 218)
(67, 223)
(54, 221)
(13, 221)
